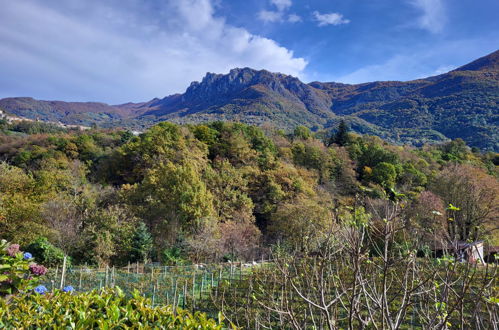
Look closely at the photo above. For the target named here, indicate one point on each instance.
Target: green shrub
(18, 272)
(384, 174)
(44, 252)
(173, 256)
(107, 309)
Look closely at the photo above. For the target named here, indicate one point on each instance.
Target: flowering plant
(41, 289)
(18, 271)
(68, 289)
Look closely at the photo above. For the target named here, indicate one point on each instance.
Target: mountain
(462, 103)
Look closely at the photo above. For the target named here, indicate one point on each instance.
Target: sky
(119, 51)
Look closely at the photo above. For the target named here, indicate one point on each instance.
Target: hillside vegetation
(462, 104)
(228, 191)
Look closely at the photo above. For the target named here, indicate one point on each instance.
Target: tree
(229, 188)
(302, 132)
(20, 218)
(312, 154)
(426, 214)
(62, 215)
(372, 153)
(341, 137)
(384, 174)
(475, 195)
(141, 244)
(301, 223)
(456, 150)
(172, 199)
(239, 239)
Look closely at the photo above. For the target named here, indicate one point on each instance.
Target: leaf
(453, 208)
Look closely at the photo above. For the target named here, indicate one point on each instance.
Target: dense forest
(228, 191)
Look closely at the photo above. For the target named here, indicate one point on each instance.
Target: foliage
(301, 223)
(105, 309)
(384, 174)
(46, 253)
(302, 132)
(18, 271)
(141, 244)
(172, 256)
(341, 136)
(476, 196)
(219, 190)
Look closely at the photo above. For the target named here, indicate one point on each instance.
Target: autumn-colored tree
(240, 240)
(301, 223)
(475, 197)
(427, 217)
(19, 206)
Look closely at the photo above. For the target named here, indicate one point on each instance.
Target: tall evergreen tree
(341, 136)
(141, 244)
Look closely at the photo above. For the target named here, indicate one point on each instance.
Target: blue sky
(117, 51)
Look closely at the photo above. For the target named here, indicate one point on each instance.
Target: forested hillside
(462, 104)
(229, 191)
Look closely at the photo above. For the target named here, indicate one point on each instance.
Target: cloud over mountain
(127, 49)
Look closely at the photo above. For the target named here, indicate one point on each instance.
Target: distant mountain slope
(67, 112)
(462, 103)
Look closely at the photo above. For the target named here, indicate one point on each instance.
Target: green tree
(172, 199)
(142, 244)
(20, 218)
(302, 132)
(384, 174)
(341, 137)
(456, 150)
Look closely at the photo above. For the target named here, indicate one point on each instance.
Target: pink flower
(13, 249)
(37, 269)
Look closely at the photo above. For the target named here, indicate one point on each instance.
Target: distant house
(463, 251)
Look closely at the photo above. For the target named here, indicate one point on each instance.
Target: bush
(384, 174)
(173, 256)
(18, 272)
(107, 309)
(44, 252)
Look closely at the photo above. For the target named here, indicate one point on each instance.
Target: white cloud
(281, 4)
(396, 68)
(270, 16)
(443, 69)
(433, 17)
(293, 18)
(123, 50)
(330, 19)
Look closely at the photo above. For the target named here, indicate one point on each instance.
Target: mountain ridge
(461, 103)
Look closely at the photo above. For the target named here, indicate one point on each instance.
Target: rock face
(462, 103)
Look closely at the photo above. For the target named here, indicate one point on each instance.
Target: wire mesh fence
(250, 295)
(181, 286)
